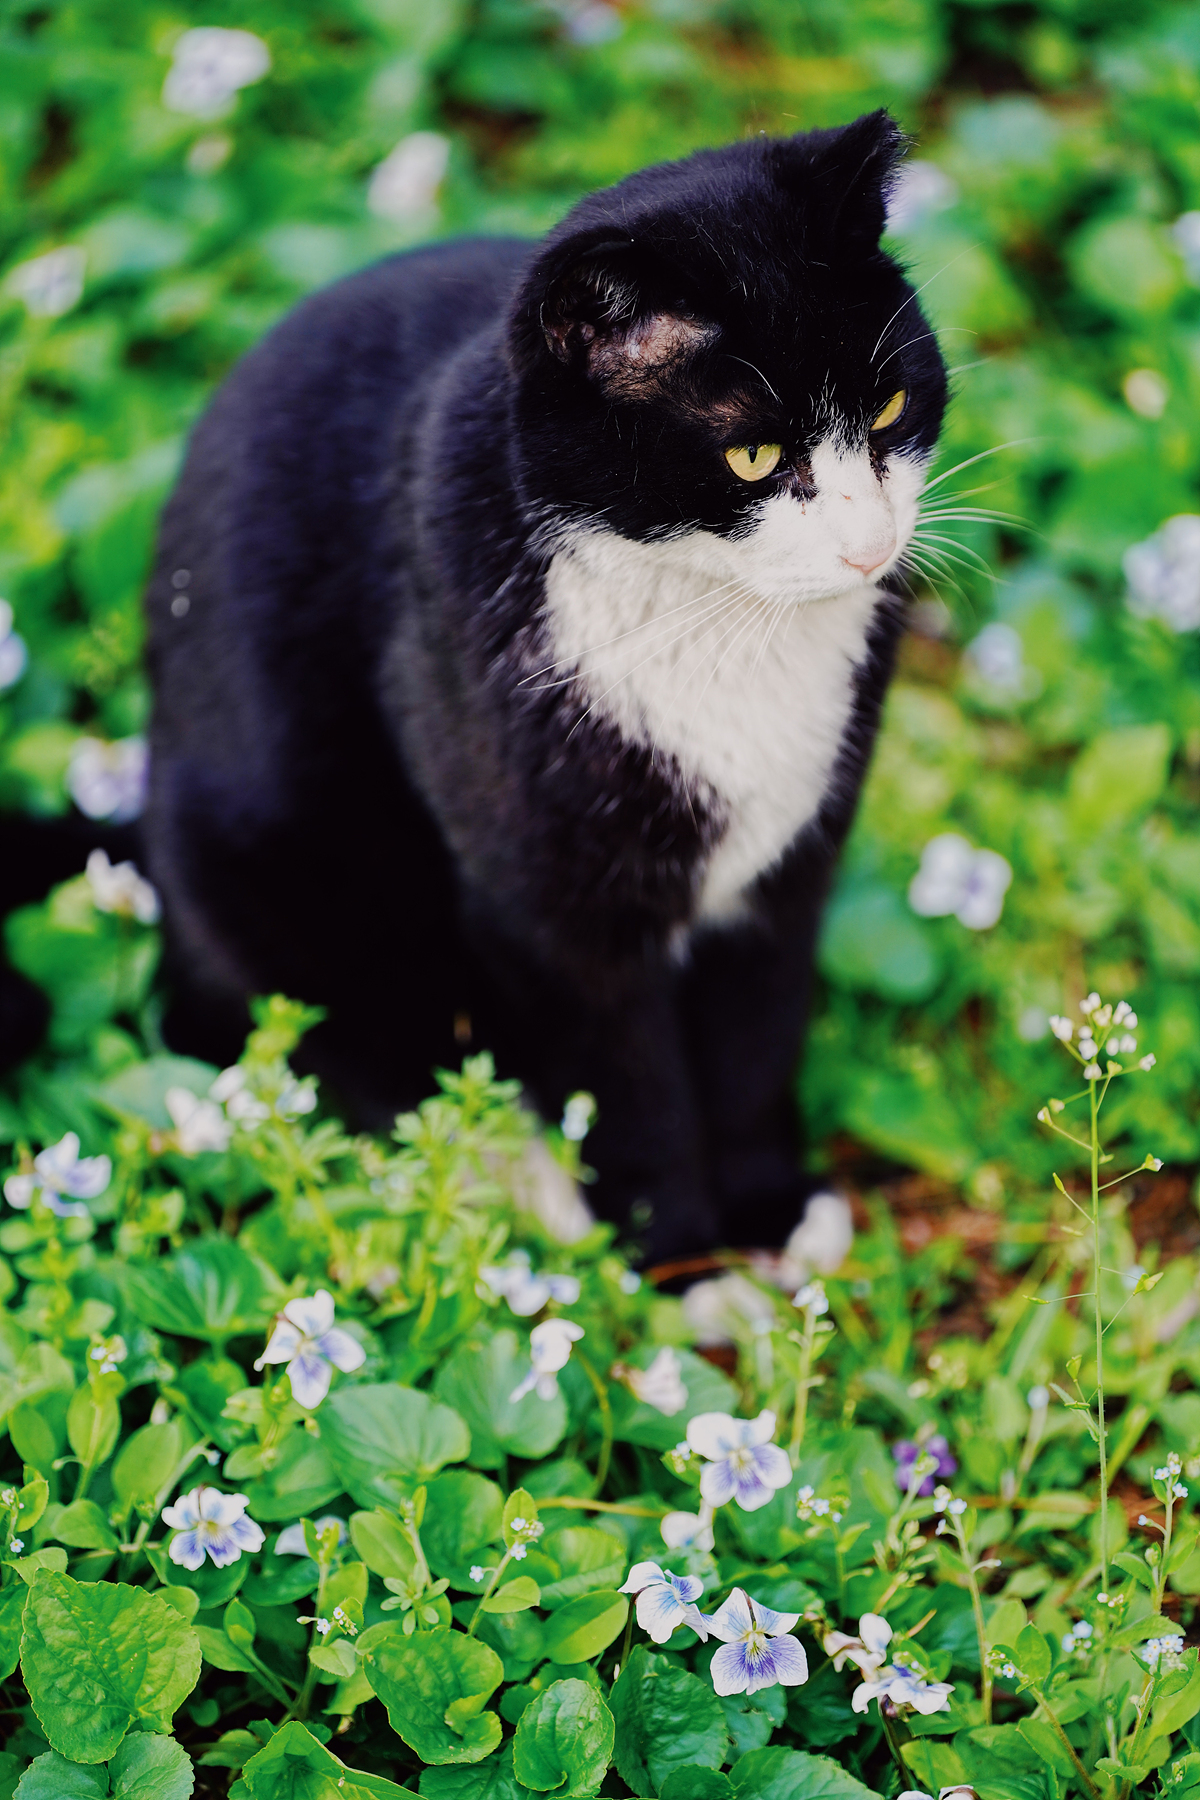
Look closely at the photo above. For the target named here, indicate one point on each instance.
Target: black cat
(518, 643)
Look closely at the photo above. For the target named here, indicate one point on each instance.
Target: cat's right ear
(608, 313)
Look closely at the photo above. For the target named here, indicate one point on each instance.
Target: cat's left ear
(848, 177)
(610, 311)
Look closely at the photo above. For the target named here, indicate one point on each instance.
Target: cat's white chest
(751, 696)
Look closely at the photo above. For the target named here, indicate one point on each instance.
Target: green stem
(1102, 1433)
(980, 1627)
(606, 1419)
(1068, 1746)
(626, 1646)
(803, 1383)
(488, 1591)
(571, 1501)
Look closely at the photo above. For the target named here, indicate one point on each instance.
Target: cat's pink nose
(870, 560)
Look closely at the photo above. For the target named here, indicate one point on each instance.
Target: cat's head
(717, 353)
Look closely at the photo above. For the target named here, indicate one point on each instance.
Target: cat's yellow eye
(751, 462)
(891, 411)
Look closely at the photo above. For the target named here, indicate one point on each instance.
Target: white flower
(956, 878)
(1062, 1028)
(919, 188)
(722, 1310)
(549, 1351)
(688, 1531)
(665, 1600)
(307, 1340)
(1163, 573)
(756, 1650)
(49, 285)
(1088, 1007)
(744, 1465)
(61, 1170)
(476, 1572)
(211, 1522)
(13, 656)
(868, 1651)
(1146, 393)
(526, 1292)
(997, 658)
(404, 187)
(209, 65)
(1154, 1649)
(822, 1239)
(1038, 1398)
(1148, 1062)
(199, 1124)
(903, 1687)
(661, 1385)
(322, 1626)
(1092, 1072)
(812, 1298)
(290, 1541)
(578, 1115)
(108, 781)
(230, 1091)
(17, 1545)
(630, 1281)
(118, 888)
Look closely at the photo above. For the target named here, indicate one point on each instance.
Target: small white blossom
(956, 878)
(578, 1116)
(17, 1545)
(209, 65)
(1154, 1649)
(13, 655)
(812, 1298)
(476, 1572)
(199, 1124)
(661, 1385)
(322, 1625)
(823, 1238)
(519, 1552)
(404, 186)
(630, 1281)
(743, 1464)
(549, 1351)
(307, 1340)
(118, 888)
(49, 285)
(1148, 1062)
(1062, 1028)
(58, 1171)
(1038, 1398)
(1092, 1072)
(1163, 573)
(665, 1601)
(868, 1651)
(688, 1531)
(1088, 1006)
(210, 1522)
(757, 1650)
(903, 1687)
(108, 781)
(525, 1292)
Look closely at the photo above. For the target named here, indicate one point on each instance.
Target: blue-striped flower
(757, 1651)
(665, 1601)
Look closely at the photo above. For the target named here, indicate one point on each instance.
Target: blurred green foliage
(1066, 135)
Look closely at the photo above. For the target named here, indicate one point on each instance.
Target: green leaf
(12, 1607)
(1032, 1654)
(151, 1766)
(777, 1774)
(463, 1513)
(514, 1596)
(478, 1380)
(1118, 776)
(303, 1480)
(145, 1463)
(584, 1627)
(52, 1777)
(294, 1766)
(379, 1539)
(666, 1720)
(382, 1438)
(708, 1390)
(97, 1657)
(696, 1783)
(93, 1426)
(519, 1505)
(84, 1527)
(588, 1558)
(1176, 1709)
(564, 1740)
(33, 1437)
(420, 1678)
(489, 1780)
(211, 1290)
(220, 1651)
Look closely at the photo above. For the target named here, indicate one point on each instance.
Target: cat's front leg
(743, 1003)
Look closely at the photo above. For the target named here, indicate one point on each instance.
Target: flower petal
(729, 1669)
(718, 1484)
(247, 1534)
(760, 1430)
(344, 1352)
(771, 1463)
(732, 1620)
(749, 1492)
(642, 1575)
(773, 1623)
(791, 1664)
(714, 1435)
(688, 1587)
(865, 1692)
(659, 1611)
(19, 1190)
(187, 1550)
(282, 1345)
(311, 1316)
(184, 1514)
(310, 1376)
(875, 1632)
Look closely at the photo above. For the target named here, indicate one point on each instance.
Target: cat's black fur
(359, 798)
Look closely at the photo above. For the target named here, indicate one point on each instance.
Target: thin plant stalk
(1102, 1430)
(956, 1526)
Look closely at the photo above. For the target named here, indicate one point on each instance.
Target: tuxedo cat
(518, 634)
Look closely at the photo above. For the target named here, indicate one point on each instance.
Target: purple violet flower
(906, 1454)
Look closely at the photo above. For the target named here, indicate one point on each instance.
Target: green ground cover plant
(331, 1469)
